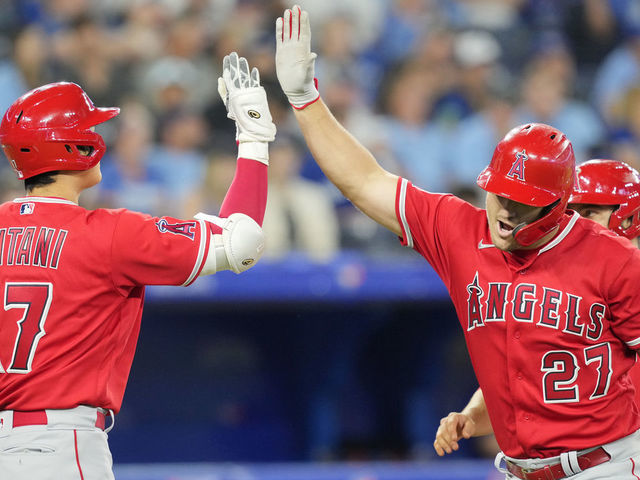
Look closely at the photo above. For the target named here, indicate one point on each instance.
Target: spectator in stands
(625, 136)
(476, 138)
(618, 72)
(300, 216)
(178, 160)
(127, 179)
(410, 133)
(476, 56)
(545, 98)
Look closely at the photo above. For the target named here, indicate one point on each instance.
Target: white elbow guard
(238, 248)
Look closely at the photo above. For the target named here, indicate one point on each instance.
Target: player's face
(503, 216)
(598, 213)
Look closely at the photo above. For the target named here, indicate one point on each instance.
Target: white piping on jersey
(563, 234)
(403, 215)
(44, 200)
(633, 343)
(204, 236)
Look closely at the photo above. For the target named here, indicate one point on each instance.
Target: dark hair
(40, 180)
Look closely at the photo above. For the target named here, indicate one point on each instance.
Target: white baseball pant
(68, 447)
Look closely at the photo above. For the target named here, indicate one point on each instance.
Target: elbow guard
(243, 241)
(239, 246)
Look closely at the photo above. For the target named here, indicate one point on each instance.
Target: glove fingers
(287, 26)
(255, 78)
(279, 30)
(305, 27)
(222, 91)
(233, 82)
(295, 22)
(243, 70)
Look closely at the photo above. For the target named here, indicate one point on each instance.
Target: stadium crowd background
(429, 86)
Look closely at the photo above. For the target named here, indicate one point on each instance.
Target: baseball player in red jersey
(548, 301)
(73, 280)
(607, 192)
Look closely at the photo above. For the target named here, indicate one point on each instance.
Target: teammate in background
(548, 301)
(607, 192)
(74, 280)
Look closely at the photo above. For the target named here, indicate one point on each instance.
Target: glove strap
(258, 151)
(307, 98)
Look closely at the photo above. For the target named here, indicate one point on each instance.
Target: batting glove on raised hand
(294, 59)
(246, 103)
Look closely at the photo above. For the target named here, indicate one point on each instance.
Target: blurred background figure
(128, 180)
(300, 216)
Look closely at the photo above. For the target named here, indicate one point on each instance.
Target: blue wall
(352, 360)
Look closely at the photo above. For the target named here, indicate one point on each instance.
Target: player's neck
(68, 184)
(636, 242)
(55, 190)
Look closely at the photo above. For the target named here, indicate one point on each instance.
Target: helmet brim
(514, 189)
(100, 115)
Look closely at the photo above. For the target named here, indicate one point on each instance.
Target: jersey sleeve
(427, 221)
(624, 298)
(149, 250)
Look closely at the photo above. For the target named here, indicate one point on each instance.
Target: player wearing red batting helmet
(547, 300)
(533, 165)
(74, 279)
(50, 128)
(605, 191)
(608, 192)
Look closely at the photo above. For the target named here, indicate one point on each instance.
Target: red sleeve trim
(203, 252)
(401, 199)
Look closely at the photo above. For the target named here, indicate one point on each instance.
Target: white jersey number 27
(560, 382)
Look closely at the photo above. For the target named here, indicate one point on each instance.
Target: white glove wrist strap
(302, 100)
(258, 151)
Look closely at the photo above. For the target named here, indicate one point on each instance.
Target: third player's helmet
(609, 182)
(533, 164)
(42, 130)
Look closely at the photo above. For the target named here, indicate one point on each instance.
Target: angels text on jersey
(38, 246)
(555, 309)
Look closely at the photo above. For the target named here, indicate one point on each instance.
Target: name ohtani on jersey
(36, 246)
(535, 304)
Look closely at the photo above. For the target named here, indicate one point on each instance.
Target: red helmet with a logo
(533, 164)
(42, 130)
(609, 182)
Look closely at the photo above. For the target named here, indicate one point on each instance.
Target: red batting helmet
(533, 164)
(41, 131)
(609, 182)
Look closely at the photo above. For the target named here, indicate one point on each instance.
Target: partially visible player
(73, 280)
(607, 192)
(548, 301)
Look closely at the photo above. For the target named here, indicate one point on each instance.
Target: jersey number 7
(34, 299)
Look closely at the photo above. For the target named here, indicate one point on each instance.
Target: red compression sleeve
(248, 191)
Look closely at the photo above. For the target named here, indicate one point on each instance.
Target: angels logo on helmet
(517, 169)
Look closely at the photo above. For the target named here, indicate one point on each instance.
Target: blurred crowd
(429, 86)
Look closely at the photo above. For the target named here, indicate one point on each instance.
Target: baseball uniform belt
(556, 471)
(39, 417)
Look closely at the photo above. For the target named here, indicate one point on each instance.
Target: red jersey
(551, 332)
(73, 283)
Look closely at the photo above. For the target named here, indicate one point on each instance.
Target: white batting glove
(246, 103)
(294, 59)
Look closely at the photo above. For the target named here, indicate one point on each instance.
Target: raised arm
(346, 162)
(237, 240)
